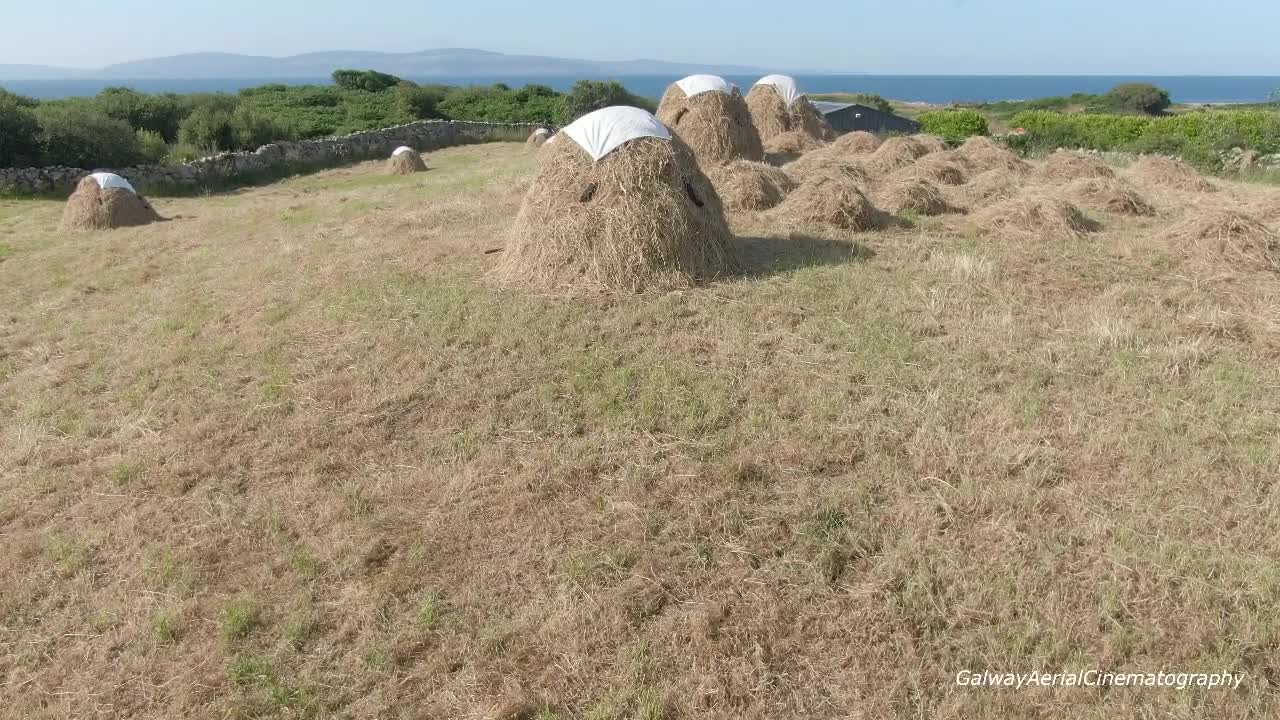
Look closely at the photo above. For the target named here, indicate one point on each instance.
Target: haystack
(777, 106)
(858, 142)
(618, 204)
(832, 200)
(405, 161)
(712, 118)
(788, 146)
(1034, 217)
(1071, 165)
(896, 153)
(750, 186)
(1229, 235)
(914, 196)
(825, 161)
(930, 143)
(986, 188)
(102, 201)
(1109, 195)
(938, 168)
(538, 137)
(981, 154)
(1163, 172)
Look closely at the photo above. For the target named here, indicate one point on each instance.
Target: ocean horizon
(1190, 89)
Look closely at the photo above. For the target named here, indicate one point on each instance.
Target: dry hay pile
(538, 137)
(937, 168)
(981, 154)
(916, 196)
(990, 186)
(822, 162)
(790, 145)
(749, 186)
(1071, 165)
(930, 143)
(95, 207)
(896, 153)
(717, 126)
(858, 142)
(831, 200)
(1034, 216)
(643, 217)
(773, 117)
(1109, 195)
(1230, 235)
(404, 161)
(1168, 173)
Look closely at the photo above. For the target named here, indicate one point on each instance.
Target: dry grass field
(293, 455)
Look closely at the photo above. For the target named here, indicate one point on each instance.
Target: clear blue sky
(878, 36)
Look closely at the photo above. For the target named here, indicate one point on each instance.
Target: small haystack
(896, 153)
(930, 143)
(824, 162)
(981, 154)
(538, 137)
(858, 142)
(1163, 172)
(1072, 165)
(103, 201)
(788, 146)
(1229, 235)
(938, 168)
(1034, 217)
(1109, 195)
(989, 187)
(618, 204)
(777, 106)
(747, 186)
(712, 118)
(831, 200)
(405, 161)
(913, 196)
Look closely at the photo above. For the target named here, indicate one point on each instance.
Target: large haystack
(103, 201)
(1166, 173)
(913, 196)
(405, 161)
(830, 200)
(538, 137)
(618, 204)
(712, 118)
(1109, 195)
(981, 154)
(1033, 217)
(747, 186)
(896, 153)
(1229, 235)
(1072, 165)
(858, 142)
(777, 106)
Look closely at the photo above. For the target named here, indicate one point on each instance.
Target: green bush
(499, 103)
(591, 95)
(954, 125)
(151, 146)
(420, 102)
(77, 134)
(366, 80)
(1138, 97)
(160, 114)
(181, 153)
(209, 128)
(252, 129)
(19, 133)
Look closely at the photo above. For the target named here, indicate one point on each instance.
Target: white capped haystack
(104, 200)
(711, 116)
(405, 160)
(778, 106)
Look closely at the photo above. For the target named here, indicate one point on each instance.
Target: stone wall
(229, 169)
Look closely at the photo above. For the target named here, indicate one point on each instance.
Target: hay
(1034, 217)
(981, 154)
(858, 142)
(1109, 195)
(825, 161)
(991, 186)
(938, 168)
(747, 186)
(642, 218)
(1168, 173)
(538, 137)
(716, 126)
(915, 196)
(1071, 165)
(772, 116)
(1229, 235)
(930, 143)
(830, 200)
(404, 163)
(895, 154)
(788, 146)
(92, 207)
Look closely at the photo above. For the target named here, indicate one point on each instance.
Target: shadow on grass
(762, 256)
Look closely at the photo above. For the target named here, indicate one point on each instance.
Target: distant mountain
(447, 62)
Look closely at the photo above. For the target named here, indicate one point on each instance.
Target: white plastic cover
(785, 85)
(403, 149)
(698, 84)
(111, 180)
(542, 132)
(552, 139)
(601, 132)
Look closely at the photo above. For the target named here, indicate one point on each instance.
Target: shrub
(209, 128)
(181, 153)
(420, 101)
(366, 80)
(77, 134)
(158, 113)
(152, 148)
(1138, 97)
(591, 95)
(252, 129)
(954, 125)
(498, 103)
(871, 100)
(19, 133)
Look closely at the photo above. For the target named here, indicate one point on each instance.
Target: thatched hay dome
(104, 200)
(712, 118)
(618, 204)
(750, 186)
(538, 137)
(777, 106)
(404, 160)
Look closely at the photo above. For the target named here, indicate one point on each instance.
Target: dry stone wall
(229, 169)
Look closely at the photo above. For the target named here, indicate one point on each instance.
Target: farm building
(847, 117)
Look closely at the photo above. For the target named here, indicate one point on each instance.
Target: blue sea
(924, 88)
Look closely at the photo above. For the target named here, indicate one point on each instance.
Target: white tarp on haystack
(111, 180)
(601, 132)
(698, 84)
(785, 85)
(403, 150)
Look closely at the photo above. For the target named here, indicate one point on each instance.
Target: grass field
(293, 455)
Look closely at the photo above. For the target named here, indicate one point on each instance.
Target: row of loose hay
(830, 200)
(717, 126)
(1072, 165)
(896, 153)
(981, 154)
(789, 146)
(1168, 173)
(1230, 235)
(92, 207)
(822, 162)
(747, 186)
(912, 195)
(1032, 216)
(1109, 195)
(942, 168)
(858, 142)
